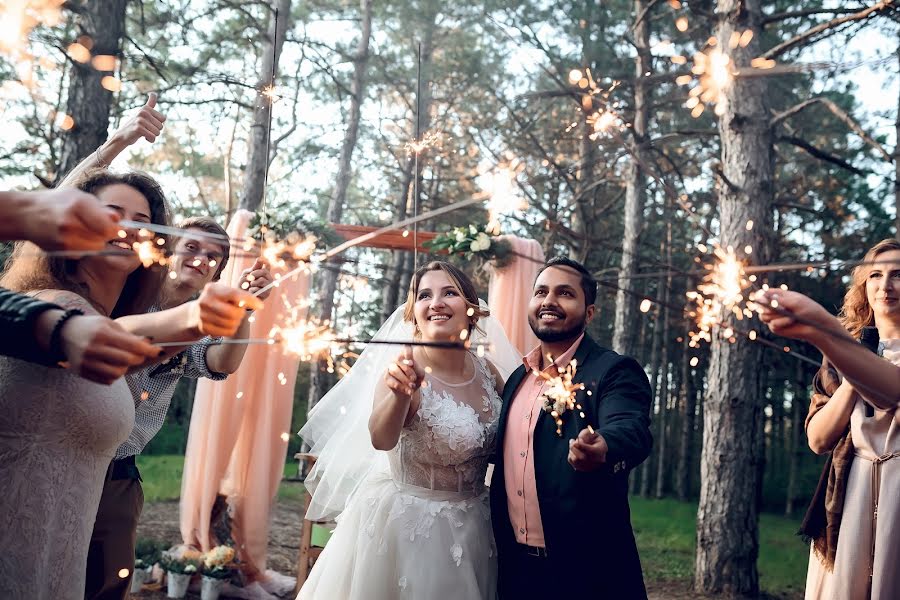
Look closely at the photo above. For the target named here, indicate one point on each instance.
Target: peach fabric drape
(510, 290)
(240, 429)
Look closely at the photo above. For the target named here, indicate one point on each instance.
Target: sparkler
(721, 291)
(595, 103)
(500, 187)
(561, 393)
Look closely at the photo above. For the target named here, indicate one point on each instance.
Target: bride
(403, 443)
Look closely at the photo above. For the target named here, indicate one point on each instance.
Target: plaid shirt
(152, 389)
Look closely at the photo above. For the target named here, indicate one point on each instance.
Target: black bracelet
(56, 352)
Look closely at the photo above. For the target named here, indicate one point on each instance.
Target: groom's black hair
(588, 283)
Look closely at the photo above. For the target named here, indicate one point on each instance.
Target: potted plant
(147, 553)
(179, 570)
(217, 567)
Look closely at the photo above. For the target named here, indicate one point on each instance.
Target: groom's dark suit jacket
(585, 515)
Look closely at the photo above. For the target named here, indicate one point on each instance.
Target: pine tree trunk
(88, 102)
(728, 512)
(319, 379)
(664, 387)
(257, 163)
(798, 406)
(635, 192)
(689, 406)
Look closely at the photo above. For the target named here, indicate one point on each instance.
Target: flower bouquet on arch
(473, 242)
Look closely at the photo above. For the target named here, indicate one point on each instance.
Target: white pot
(177, 584)
(138, 578)
(210, 588)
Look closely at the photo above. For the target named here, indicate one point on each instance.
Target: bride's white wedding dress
(422, 529)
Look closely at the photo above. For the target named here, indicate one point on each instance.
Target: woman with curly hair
(858, 501)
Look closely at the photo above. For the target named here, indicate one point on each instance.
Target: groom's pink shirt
(518, 447)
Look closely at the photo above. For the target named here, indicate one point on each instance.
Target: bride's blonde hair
(460, 281)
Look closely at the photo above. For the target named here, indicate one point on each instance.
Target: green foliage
(666, 536)
(471, 242)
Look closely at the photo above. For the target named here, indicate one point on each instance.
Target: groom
(559, 503)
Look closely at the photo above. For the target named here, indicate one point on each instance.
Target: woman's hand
(793, 315)
(147, 123)
(403, 377)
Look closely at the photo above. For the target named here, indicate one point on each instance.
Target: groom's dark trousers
(111, 553)
(589, 550)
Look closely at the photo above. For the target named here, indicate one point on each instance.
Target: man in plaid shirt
(197, 260)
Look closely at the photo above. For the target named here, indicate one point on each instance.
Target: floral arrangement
(187, 564)
(471, 241)
(218, 563)
(559, 396)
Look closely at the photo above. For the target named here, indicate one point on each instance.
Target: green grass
(162, 478)
(665, 529)
(666, 534)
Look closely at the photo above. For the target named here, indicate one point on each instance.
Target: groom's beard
(551, 335)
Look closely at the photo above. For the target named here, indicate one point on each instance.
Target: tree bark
(257, 163)
(663, 393)
(89, 103)
(798, 406)
(728, 512)
(689, 407)
(318, 377)
(635, 190)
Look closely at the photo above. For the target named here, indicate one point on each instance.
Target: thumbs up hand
(404, 376)
(147, 123)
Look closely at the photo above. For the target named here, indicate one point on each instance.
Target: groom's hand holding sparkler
(588, 451)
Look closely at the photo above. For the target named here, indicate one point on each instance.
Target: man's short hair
(588, 283)
(209, 225)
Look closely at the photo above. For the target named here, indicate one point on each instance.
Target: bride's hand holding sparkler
(588, 451)
(404, 376)
(393, 404)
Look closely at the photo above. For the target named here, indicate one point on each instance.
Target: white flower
(460, 235)
(484, 240)
(402, 583)
(456, 553)
(473, 230)
(190, 569)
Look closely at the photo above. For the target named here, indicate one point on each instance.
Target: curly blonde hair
(856, 312)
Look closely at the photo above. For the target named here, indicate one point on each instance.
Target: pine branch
(841, 114)
(824, 27)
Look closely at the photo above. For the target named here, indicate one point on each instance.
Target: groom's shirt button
(521, 530)
(522, 454)
(519, 492)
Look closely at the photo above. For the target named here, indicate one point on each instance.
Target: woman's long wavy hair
(459, 279)
(856, 312)
(30, 269)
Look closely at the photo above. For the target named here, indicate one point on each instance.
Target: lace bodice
(452, 436)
